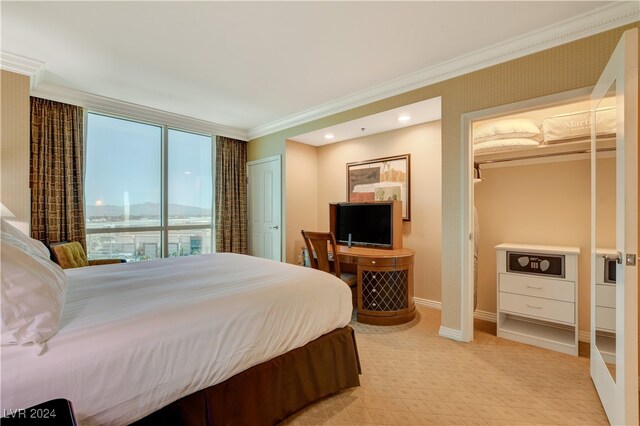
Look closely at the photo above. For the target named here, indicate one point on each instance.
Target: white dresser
(538, 295)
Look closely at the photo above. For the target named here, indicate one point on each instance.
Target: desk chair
(71, 255)
(317, 246)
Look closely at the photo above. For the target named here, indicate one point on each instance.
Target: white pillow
(507, 129)
(505, 144)
(28, 244)
(32, 296)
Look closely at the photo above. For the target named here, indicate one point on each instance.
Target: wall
(546, 204)
(14, 141)
(301, 182)
(423, 233)
(566, 67)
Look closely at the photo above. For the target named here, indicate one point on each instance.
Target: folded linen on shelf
(577, 125)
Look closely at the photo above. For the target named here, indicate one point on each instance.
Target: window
(148, 190)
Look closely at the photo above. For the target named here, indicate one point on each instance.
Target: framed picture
(381, 179)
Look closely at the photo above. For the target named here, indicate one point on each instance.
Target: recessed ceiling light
(404, 118)
(329, 136)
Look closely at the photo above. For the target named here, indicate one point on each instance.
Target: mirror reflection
(605, 299)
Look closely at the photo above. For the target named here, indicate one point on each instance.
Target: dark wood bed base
(269, 392)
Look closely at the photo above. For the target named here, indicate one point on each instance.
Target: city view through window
(124, 191)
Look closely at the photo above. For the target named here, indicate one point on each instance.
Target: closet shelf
(544, 151)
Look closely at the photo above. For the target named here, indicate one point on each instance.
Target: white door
(614, 224)
(264, 194)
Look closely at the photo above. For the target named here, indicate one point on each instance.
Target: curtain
(231, 195)
(57, 172)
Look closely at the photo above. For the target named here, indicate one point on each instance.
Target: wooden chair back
(319, 243)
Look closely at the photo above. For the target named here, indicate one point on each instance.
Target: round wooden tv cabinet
(385, 283)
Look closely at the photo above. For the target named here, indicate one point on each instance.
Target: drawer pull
(534, 306)
(373, 262)
(534, 287)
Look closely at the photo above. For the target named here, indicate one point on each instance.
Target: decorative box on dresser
(537, 290)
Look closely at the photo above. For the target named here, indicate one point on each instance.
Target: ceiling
(392, 119)
(248, 65)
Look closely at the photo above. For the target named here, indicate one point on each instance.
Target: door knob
(273, 227)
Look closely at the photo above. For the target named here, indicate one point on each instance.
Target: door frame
(466, 240)
(281, 230)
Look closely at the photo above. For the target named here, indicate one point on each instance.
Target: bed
(186, 334)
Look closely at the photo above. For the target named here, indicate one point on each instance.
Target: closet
(532, 188)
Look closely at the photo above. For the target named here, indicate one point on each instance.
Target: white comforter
(137, 336)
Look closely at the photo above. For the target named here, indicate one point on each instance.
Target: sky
(124, 159)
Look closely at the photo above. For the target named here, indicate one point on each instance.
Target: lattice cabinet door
(385, 293)
(385, 290)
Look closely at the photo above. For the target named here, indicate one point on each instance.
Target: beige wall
(566, 67)
(301, 184)
(14, 155)
(422, 234)
(547, 204)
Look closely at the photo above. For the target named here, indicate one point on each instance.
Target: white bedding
(504, 145)
(136, 336)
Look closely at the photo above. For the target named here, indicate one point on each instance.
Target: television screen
(368, 224)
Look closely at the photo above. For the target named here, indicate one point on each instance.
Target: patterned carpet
(412, 376)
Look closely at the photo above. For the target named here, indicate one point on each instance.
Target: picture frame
(381, 179)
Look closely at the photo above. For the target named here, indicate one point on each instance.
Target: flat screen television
(364, 224)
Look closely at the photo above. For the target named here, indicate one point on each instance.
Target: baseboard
(434, 304)
(484, 315)
(451, 333)
(584, 336)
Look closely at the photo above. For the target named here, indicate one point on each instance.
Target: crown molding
(35, 69)
(110, 106)
(591, 23)
(22, 65)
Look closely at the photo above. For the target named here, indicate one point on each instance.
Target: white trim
(467, 119)
(263, 160)
(451, 333)
(599, 20)
(433, 304)
(467, 233)
(22, 65)
(110, 106)
(583, 336)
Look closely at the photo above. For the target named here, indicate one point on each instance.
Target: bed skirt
(269, 392)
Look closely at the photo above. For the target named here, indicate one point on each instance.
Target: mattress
(137, 336)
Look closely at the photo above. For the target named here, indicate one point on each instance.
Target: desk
(385, 283)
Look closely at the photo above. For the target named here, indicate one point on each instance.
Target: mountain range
(145, 210)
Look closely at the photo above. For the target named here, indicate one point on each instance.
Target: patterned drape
(57, 172)
(231, 195)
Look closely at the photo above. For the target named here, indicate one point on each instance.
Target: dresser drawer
(538, 287)
(606, 295)
(546, 309)
(376, 261)
(605, 319)
(345, 258)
